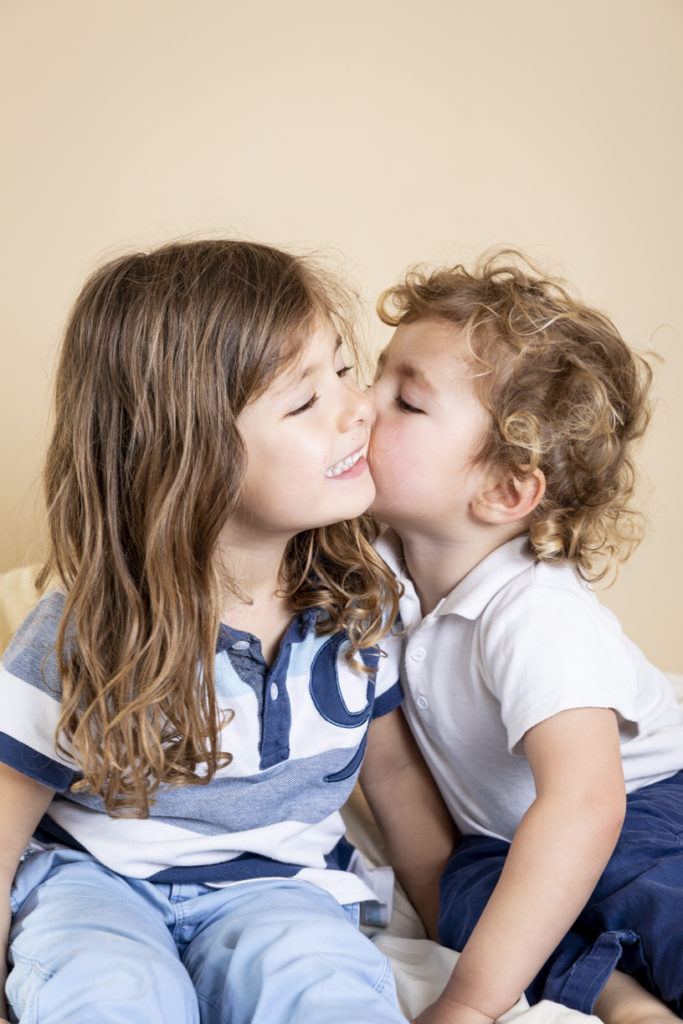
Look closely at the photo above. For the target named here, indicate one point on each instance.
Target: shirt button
(422, 702)
(241, 645)
(274, 692)
(418, 654)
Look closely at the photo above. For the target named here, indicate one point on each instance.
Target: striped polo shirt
(297, 738)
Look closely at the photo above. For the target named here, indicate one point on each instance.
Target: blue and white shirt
(297, 738)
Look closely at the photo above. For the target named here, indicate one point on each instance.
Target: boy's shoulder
(544, 601)
(511, 589)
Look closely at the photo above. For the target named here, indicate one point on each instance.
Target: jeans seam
(36, 967)
(385, 977)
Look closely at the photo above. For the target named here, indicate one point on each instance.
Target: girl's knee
(86, 983)
(291, 958)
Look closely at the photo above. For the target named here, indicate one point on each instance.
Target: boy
(506, 410)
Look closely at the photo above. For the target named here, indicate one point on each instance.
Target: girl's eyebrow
(312, 367)
(308, 370)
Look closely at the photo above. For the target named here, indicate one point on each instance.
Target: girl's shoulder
(30, 654)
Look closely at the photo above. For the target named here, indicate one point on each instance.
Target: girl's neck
(266, 617)
(259, 606)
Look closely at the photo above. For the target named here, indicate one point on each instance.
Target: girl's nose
(359, 406)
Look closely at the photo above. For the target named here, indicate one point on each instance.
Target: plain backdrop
(382, 132)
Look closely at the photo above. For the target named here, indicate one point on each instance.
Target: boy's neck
(437, 565)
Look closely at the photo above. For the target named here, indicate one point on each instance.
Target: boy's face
(429, 425)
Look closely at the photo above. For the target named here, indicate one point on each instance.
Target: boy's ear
(509, 499)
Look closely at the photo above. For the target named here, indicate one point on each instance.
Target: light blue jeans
(90, 945)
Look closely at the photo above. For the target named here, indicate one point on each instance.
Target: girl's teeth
(341, 467)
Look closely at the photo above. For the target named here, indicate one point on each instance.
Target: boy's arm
(22, 804)
(417, 829)
(558, 853)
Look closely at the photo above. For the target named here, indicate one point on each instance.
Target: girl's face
(429, 425)
(306, 438)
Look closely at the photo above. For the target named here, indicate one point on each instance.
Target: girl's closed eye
(341, 373)
(304, 408)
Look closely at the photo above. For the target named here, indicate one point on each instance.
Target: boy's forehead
(419, 350)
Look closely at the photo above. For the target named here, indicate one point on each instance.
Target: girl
(184, 715)
(511, 408)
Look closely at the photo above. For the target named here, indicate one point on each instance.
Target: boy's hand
(449, 1011)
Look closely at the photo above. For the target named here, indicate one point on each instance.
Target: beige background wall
(386, 131)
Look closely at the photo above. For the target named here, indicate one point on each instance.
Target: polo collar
(470, 597)
(301, 625)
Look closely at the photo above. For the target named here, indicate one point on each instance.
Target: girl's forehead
(310, 352)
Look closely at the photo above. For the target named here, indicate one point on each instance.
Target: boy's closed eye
(407, 407)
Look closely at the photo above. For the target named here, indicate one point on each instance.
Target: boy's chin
(379, 513)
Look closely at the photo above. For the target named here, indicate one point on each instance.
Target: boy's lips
(346, 463)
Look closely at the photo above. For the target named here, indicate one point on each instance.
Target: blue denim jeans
(87, 944)
(633, 919)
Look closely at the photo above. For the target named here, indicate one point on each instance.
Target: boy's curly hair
(565, 393)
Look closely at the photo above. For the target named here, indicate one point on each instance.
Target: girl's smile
(355, 461)
(309, 427)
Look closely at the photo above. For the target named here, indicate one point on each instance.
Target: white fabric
(422, 967)
(516, 642)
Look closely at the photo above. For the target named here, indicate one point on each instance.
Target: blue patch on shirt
(228, 682)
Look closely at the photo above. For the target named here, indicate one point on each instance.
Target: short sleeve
(549, 649)
(30, 698)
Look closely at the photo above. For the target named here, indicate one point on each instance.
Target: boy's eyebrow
(408, 370)
(413, 372)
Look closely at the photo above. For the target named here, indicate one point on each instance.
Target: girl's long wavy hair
(161, 353)
(565, 393)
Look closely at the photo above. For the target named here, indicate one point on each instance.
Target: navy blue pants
(633, 920)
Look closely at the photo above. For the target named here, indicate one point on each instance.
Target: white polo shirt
(514, 643)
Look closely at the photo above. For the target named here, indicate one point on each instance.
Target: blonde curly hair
(565, 393)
